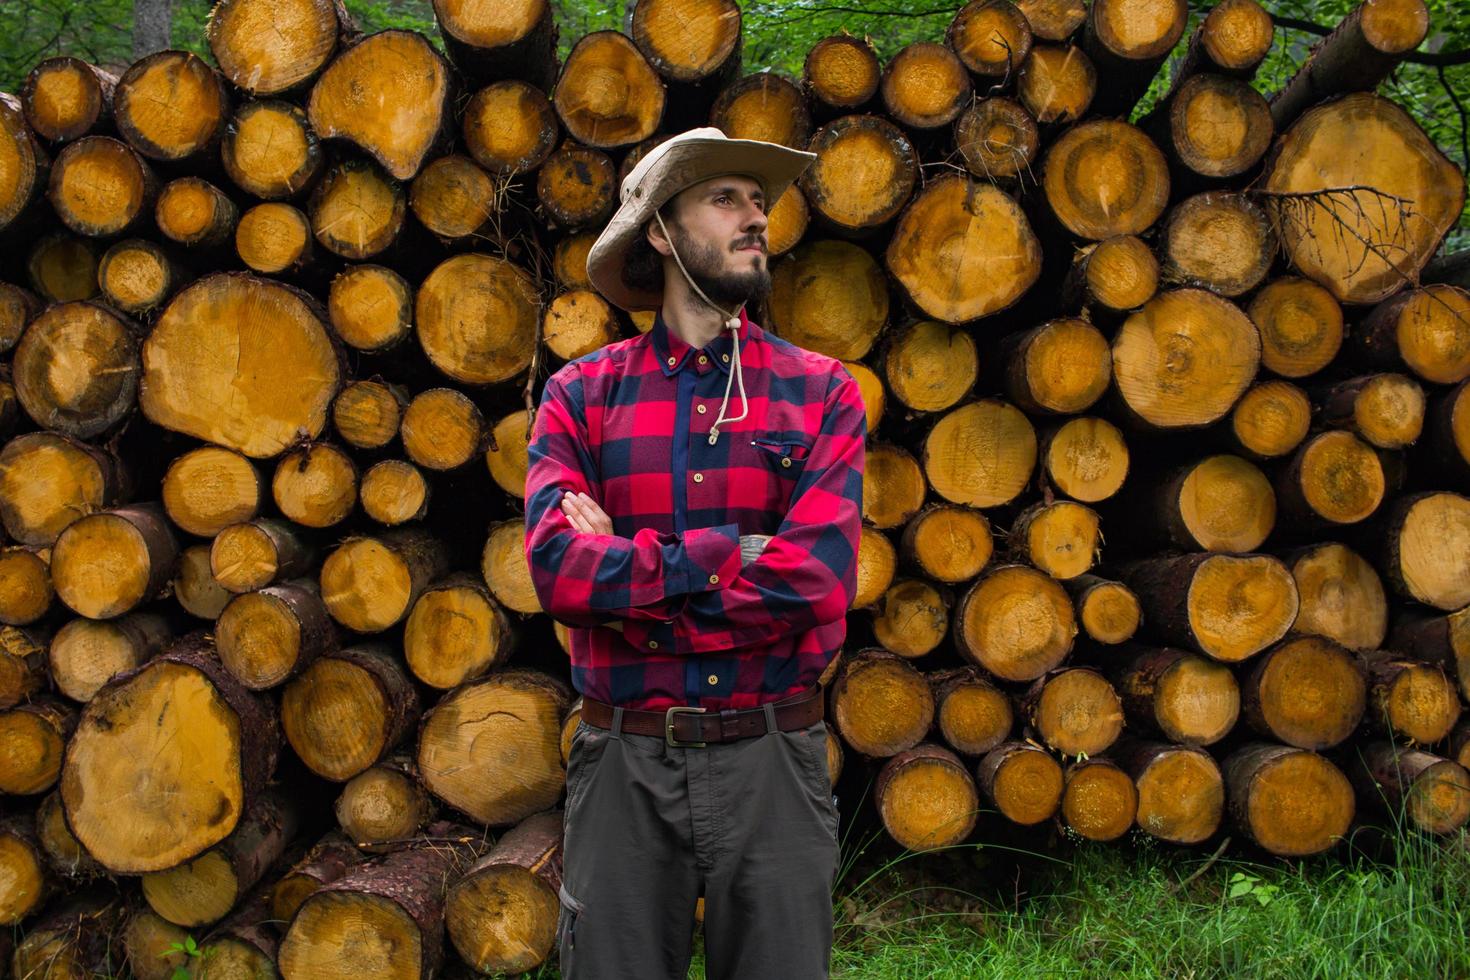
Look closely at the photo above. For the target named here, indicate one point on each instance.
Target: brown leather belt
(696, 727)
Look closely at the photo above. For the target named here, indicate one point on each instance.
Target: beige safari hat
(673, 165)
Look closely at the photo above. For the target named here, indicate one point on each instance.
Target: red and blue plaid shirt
(661, 612)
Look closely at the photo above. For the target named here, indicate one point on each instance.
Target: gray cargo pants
(750, 824)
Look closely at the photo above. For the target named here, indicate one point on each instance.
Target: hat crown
(633, 183)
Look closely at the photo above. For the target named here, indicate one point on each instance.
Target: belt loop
(617, 725)
(770, 717)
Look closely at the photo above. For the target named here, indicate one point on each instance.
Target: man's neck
(688, 317)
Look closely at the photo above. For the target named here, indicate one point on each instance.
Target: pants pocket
(566, 926)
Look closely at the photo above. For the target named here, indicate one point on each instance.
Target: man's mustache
(748, 241)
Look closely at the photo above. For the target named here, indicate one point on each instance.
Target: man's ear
(657, 238)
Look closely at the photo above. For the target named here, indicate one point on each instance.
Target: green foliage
(192, 953)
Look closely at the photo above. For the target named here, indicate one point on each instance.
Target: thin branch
(1464, 119)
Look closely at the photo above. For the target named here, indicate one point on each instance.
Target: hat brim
(683, 163)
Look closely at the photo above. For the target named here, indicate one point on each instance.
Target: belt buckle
(669, 726)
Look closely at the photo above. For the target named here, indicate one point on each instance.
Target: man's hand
(751, 545)
(584, 514)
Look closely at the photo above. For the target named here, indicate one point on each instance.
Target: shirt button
(653, 644)
(714, 678)
(703, 359)
(700, 409)
(714, 580)
(785, 460)
(699, 478)
(724, 357)
(672, 361)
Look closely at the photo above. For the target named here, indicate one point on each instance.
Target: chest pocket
(786, 457)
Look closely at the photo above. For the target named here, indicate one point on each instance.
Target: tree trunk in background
(152, 26)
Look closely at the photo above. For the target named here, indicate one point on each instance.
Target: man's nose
(755, 219)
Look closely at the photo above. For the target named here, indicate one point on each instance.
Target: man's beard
(705, 265)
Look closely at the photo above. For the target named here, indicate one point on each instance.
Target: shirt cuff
(712, 557)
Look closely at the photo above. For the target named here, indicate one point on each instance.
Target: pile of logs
(1166, 521)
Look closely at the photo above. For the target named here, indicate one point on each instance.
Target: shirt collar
(673, 353)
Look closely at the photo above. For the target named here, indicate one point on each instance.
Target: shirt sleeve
(592, 579)
(807, 574)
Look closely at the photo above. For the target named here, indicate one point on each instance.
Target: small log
(101, 188)
(253, 554)
(64, 853)
(370, 583)
(23, 668)
(367, 414)
(925, 85)
(268, 50)
(509, 127)
(1449, 430)
(505, 570)
(971, 714)
(1439, 639)
(268, 636)
(348, 710)
(871, 390)
(1301, 326)
(830, 297)
(329, 858)
(18, 307)
(1061, 366)
(1184, 697)
(576, 186)
(1075, 711)
(1128, 44)
(865, 172)
(1053, 20)
(1427, 549)
(1111, 277)
(980, 454)
(1181, 791)
(357, 210)
(1099, 800)
(690, 43)
(1015, 622)
(1056, 84)
(148, 943)
(26, 592)
(384, 804)
(370, 307)
(24, 180)
(488, 43)
(1085, 458)
(442, 429)
(1341, 596)
(763, 106)
(274, 238)
(137, 276)
(991, 37)
(195, 588)
(1290, 802)
(1271, 419)
(997, 138)
(87, 653)
(210, 488)
(315, 485)
(1432, 792)
(502, 913)
(1104, 178)
(74, 938)
(1213, 126)
(1228, 607)
(114, 560)
(476, 317)
(28, 879)
(1234, 38)
(1217, 240)
(245, 943)
(877, 563)
(893, 486)
(453, 197)
(881, 705)
(1409, 699)
(65, 98)
(1425, 330)
(577, 323)
(926, 798)
(569, 258)
(1062, 538)
(270, 150)
(1108, 611)
(608, 95)
(912, 618)
(75, 369)
(1308, 692)
(1333, 478)
(47, 481)
(507, 456)
(1219, 503)
(1386, 410)
(195, 213)
(171, 106)
(393, 492)
(456, 632)
(63, 267)
(842, 73)
(1023, 782)
(946, 542)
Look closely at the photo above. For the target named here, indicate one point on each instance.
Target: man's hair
(643, 268)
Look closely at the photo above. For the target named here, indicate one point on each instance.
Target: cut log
(1449, 429)
(209, 488)
(926, 798)
(948, 543)
(1108, 611)
(455, 633)
(576, 186)
(842, 73)
(329, 858)
(23, 667)
(893, 486)
(1060, 367)
(253, 554)
(171, 106)
(502, 913)
(26, 593)
(63, 267)
(476, 318)
(64, 853)
(1234, 37)
(1333, 478)
(270, 150)
(1062, 538)
(247, 942)
(507, 457)
(204, 890)
(491, 748)
(148, 942)
(367, 414)
(1184, 697)
(971, 714)
(1386, 410)
(453, 197)
(871, 390)
(33, 737)
(1104, 178)
(1015, 622)
(442, 429)
(1217, 240)
(608, 95)
(112, 561)
(504, 568)
(348, 710)
(393, 492)
(230, 332)
(1085, 458)
(370, 583)
(1185, 358)
(912, 618)
(75, 369)
(865, 172)
(47, 481)
(1023, 782)
(195, 213)
(194, 588)
(991, 37)
(1181, 791)
(65, 98)
(1220, 503)
(370, 307)
(981, 454)
(1290, 802)
(1129, 42)
(1099, 800)
(963, 250)
(138, 795)
(1409, 699)
(1432, 792)
(266, 637)
(877, 561)
(1111, 277)
(509, 127)
(569, 259)
(1308, 692)
(881, 705)
(101, 188)
(385, 805)
(1076, 712)
(763, 106)
(998, 139)
(315, 485)
(1341, 596)
(1053, 20)
(137, 276)
(925, 85)
(269, 48)
(29, 882)
(1300, 324)
(491, 42)
(274, 238)
(687, 41)
(1214, 126)
(577, 323)
(73, 939)
(18, 306)
(26, 166)
(1439, 639)
(1358, 54)
(1056, 84)
(1425, 330)
(1271, 419)
(1427, 549)
(829, 297)
(1337, 183)
(87, 653)
(1229, 607)
(357, 210)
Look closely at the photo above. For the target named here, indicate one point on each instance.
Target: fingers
(584, 514)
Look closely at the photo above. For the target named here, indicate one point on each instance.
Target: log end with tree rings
(1329, 147)
(963, 250)
(503, 565)
(1219, 126)
(1394, 26)
(315, 485)
(1060, 367)
(148, 938)
(100, 187)
(912, 618)
(357, 210)
(26, 592)
(476, 318)
(926, 798)
(608, 95)
(518, 709)
(1023, 781)
(1190, 699)
(348, 710)
(842, 72)
(171, 106)
(1056, 83)
(925, 85)
(253, 554)
(866, 170)
(269, 150)
(195, 213)
(687, 40)
(206, 490)
(1240, 604)
(973, 715)
(269, 48)
(1342, 596)
(931, 366)
(893, 486)
(384, 804)
(576, 185)
(261, 638)
(87, 653)
(1181, 791)
(509, 127)
(763, 106)
(195, 588)
(1099, 800)
(389, 94)
(1426, 330)
(273, 238)
(24, 176)
(75, 369)
(949, 543)
(1290, 802)
(1426, 789)
(442, 429)
(1077, 712)
(63, 267)
(1335, 477)
(454, 633)
(1062, 538)
(507, 456)
(1015, 622)
(991, 37)
(108, 563)
(18, 306)
(1386, 410)
(48, 481)
(137, 276)
(260, 325)
(831, 297)
(453, 197)
(24, 862)
(367, 414)
(1104, 178)
(35, 735)
(569, 258)
(1138, 31)
(1413, 701)
(1271, 419)
(1308, 692)
(1428, 549)
(981, 454)
(1086, 459)
(1224, 504)
(877, 561)
(1053, 20)
(393, 492)
(1108, 611)
(1237, 34)
(1185, 358)
(64, 98)
(1219, 240)
(23, 666)
(577, 323)
(1301, 326)
(998, 138)
(1114, 275)
(787, 222)
(370, 307)
(1450, 428)
(871, 390)
(880, 703)
(370, 583)
(503, 914)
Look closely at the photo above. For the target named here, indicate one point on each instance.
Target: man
(702, 547)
